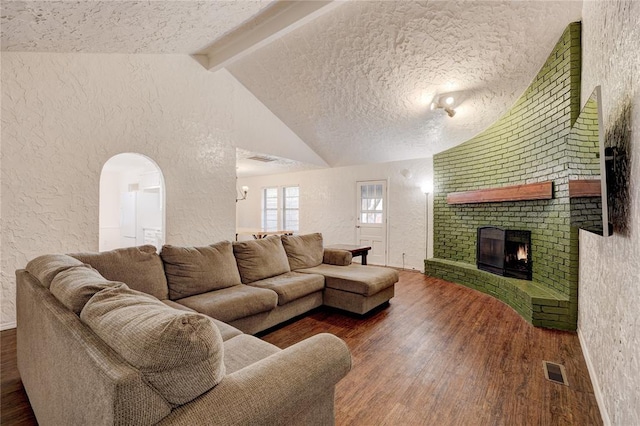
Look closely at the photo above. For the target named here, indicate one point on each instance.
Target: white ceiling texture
(354, 81)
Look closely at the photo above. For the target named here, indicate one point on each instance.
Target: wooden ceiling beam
(276, 21)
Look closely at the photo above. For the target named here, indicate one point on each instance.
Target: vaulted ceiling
(355, 83)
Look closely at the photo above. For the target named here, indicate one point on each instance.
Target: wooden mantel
(529, 191)
(584, 188)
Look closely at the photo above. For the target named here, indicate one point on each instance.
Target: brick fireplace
(527, 145)
(504, 252)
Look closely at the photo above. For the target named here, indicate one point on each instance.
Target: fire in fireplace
(504, 252)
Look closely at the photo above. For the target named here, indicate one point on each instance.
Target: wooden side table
(354, 249)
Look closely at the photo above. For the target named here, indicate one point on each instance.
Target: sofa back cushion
(46, 267)
(259, 259)
(197, 270)
(179, 353)
(76, 285)
(303, 251)
(138, 267)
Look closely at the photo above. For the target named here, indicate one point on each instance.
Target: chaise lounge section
(355, 288)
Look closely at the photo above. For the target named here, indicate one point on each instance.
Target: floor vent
(555, 372)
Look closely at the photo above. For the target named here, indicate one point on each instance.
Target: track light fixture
(444, 102)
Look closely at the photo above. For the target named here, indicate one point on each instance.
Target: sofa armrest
(337, 257)
(274, 390)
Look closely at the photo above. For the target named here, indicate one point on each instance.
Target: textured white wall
(259, 130)
(328, 204)
(65, 115)
(609, 300)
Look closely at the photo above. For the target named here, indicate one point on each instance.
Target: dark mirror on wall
(587, 170)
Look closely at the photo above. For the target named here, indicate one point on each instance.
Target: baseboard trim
(8, 325)
(594, 381)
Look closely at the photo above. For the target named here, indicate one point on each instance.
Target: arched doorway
(132, 202)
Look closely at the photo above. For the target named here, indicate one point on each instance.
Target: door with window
(371, 224)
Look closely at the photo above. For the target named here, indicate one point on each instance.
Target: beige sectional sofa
(120, 337)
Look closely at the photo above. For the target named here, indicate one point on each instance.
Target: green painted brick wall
(583, 152)
(528, 144)
(583, 145)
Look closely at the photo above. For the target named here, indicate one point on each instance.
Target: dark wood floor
(14, 404)
(443, 354)
(439, 354)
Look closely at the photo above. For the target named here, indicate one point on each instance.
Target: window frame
(281, 208)
(266, 219)
(286, 209)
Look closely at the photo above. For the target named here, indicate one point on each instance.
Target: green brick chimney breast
(528, 144)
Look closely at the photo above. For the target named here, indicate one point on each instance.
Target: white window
(371, 198)
(281, 208)
(270, 209)
(290, 208)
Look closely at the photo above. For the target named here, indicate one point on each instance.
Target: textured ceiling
(246, 166)
(121, 26)
(355, 84)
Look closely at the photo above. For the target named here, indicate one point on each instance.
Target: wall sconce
(243, 194)
(444, 102)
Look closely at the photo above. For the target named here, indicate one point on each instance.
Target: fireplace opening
(504, 252)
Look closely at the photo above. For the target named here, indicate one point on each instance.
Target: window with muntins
(270, 209)
(281, 208)
(371, 209)
(290, 208)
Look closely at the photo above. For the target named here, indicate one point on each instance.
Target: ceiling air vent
(555, 372)
(261, 158)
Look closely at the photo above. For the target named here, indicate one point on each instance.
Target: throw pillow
(179, 353)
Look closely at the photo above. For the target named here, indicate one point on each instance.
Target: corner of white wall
(609, 294)
(96, 106)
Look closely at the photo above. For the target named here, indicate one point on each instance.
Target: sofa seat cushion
(291, 285)
(365, 280)
(46, 267)
(260, 259)
(303, 251)
(226, 331)
(232, 303)
(244, 350)
(76, 285)
(138, 267)
(197, 270)
(179, 353)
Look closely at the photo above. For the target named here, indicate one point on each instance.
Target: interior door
(371, 226)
